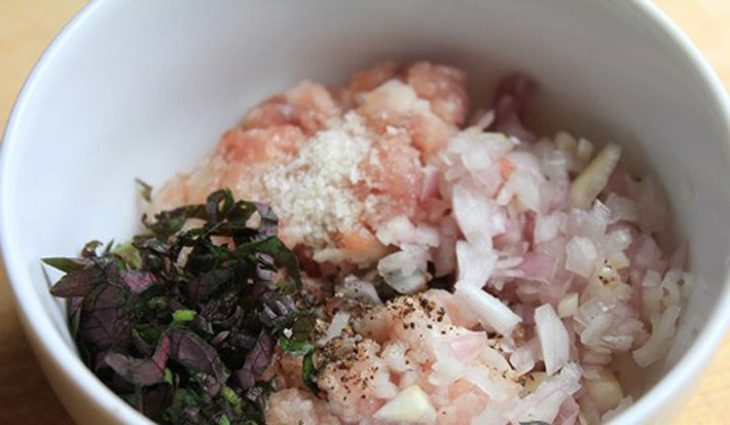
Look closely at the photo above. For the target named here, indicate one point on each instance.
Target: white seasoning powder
(312, 194)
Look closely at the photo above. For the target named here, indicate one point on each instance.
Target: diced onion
(473, 213)
(548, 226)
(411, 405)
(544, 403)
(490, 311)
(339, 323)
(661, 337)
(405, 271)
(359, 289)
(622, 209)
(475, 265)
(553, 336)
(581, 256)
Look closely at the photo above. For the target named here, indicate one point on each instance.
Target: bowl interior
(145, 90)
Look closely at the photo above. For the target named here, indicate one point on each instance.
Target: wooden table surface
(26, 28)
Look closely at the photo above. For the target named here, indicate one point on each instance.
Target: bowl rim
(47, 340)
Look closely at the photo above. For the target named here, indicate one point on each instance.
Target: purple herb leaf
(168, 223)
(242, 340)
(221, 310)
(220, 338)
(257, 360)
(269, 224)
(78, 283)
(137, 281)
(74, 315)
(104, 322)
(277, 308)
(191, 351)
(213, 205)
(207, 283)
(156, 400)
(142, 371)
(275, 247)
(157, 246)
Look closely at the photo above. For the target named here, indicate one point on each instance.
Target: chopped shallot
(339, 323)
(658, 344)
(554, 338)
(490, 311)
(405, 271)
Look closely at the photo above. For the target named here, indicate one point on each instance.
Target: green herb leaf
(168, 376)
(182, 316)
(89, 250)
(130, 254)
(298, 348)
(145, 190)
(298, 341)
(308, 372)
(66, 265)
(231, 397)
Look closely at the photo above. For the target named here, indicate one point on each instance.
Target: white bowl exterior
(144, 89)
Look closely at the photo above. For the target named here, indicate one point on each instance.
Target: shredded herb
(308, 372)
(145, 190)
(183, 322)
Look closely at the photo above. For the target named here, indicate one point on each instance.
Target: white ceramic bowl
(143, 89)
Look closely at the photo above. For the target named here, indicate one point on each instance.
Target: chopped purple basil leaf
(164, 320)
(257, 360)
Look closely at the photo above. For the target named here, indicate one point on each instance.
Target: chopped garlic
(568, 306)
(411, 405)
(605, 390)
(618, 260)
(534, 380)
(582, 419)
(585, 149)
(591, 181)
(565, 141)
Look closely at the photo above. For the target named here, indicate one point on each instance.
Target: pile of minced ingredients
(378, 253)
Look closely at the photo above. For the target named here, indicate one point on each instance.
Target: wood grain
(26, 28)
